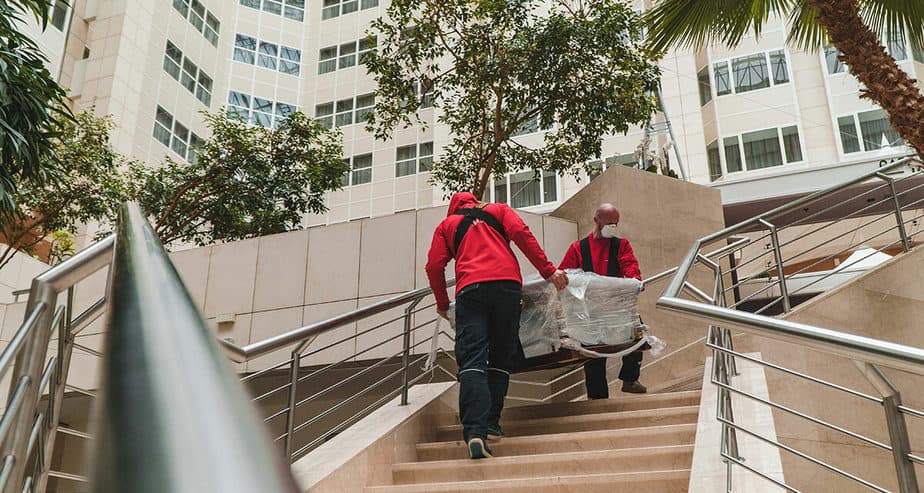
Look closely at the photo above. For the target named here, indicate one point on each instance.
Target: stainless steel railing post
(906, 244)
(293, 401)
(778, 256)
(895, 420)
(405, 357)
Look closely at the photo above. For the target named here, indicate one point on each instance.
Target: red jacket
(600, 253)
(483, 254)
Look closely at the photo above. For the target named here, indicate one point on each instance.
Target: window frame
(727, 66)
(742, 155)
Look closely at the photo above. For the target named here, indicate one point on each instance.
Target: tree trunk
(886, 83)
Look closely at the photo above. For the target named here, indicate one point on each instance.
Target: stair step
(656, 436)
(551, 463)
(668, 481)
(621, 403)
(588, 422)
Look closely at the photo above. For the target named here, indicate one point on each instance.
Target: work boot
(634, 387)
(495, 433)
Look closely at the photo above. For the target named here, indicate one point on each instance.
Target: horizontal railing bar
(835, 272)
(46, 375)
(350, 399)
(79, 390)
(88, 316)
(275, 415)
(356, 417)
(837, 204)
(5, 470)
(297, 336)
(77, 433)
(66, 475)
(898, 356)
(353, 356)
(802, 415)
(741, 463)
(15, 404)
(12, 350)
(911, 411)
(271, 392)
(738, 244)
(79, 267)
(916, 458)
(34, 433)
(804, 456)
(795, 373)
(770, 285)
(266, 370)
(85, 349)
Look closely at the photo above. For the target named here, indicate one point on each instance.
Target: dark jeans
(595, 374)
(487, 350)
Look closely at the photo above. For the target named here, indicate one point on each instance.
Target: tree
(90, 191)
(853, 26)
(31, 103)
(496, 67)
(246, 181)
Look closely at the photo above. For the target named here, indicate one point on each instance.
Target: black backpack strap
(587, 262)
(468, 218)
(613, 269)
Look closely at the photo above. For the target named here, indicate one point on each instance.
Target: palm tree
(853, 26)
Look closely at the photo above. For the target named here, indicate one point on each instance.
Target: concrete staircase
(628, 441)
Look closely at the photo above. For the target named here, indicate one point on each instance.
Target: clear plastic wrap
(593, 310)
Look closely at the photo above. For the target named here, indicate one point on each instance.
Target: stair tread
(588, 418)
(681, 476)
(678, 434)
(552, 456)
(630, 401)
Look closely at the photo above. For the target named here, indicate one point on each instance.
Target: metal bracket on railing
(778, 255)
(408, 312)
(906, 244)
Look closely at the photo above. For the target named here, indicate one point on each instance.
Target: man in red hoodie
(488, 292)
(594, 254)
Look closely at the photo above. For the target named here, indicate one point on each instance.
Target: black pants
(487, 350)
(595, 374)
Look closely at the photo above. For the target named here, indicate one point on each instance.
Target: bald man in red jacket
(488, 293)
(605, 254)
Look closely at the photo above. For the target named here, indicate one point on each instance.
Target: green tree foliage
(247, 181)
(89, 191)
(31, 102)
(495, 68)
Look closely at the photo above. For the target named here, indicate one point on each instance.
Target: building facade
(759, 121)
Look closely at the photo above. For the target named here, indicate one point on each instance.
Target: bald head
(605, 214)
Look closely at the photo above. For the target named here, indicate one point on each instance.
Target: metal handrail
(866, 352)
(186, 410)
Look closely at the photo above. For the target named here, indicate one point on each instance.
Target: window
(896, 44)
(258, 111)
(715, 162)
(190, 76)
(360, 170)
(58, 14)
(202, 19)
(762, 149)
(346, 111)
(364, 105)
(245, 49)
(599, 166)
(347, 55)
(778, 67)
(327, 60)
(336, 8)
(705, 89)
(875, 132)
(176, 136)
(531, 125)
(722, 81)
(750, 73)
(732, 154)
(526, 189)
(367, 45)
(324, 114)
(173, 57)
(269, 55)
(414, 158)
(917, 52)
(832, 60)
(290, 9)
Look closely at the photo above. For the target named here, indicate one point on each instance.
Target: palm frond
(804, 30)
(889, 17)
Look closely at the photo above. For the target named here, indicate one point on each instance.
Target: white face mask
(608, 231)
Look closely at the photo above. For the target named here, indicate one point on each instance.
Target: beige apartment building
(762, 121)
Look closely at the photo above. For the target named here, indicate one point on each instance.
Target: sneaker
(634, 388)
(477, 449)
(495, 433)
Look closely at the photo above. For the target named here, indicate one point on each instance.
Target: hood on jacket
(461, 200)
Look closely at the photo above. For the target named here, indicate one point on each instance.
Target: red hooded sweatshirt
(483, 255)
